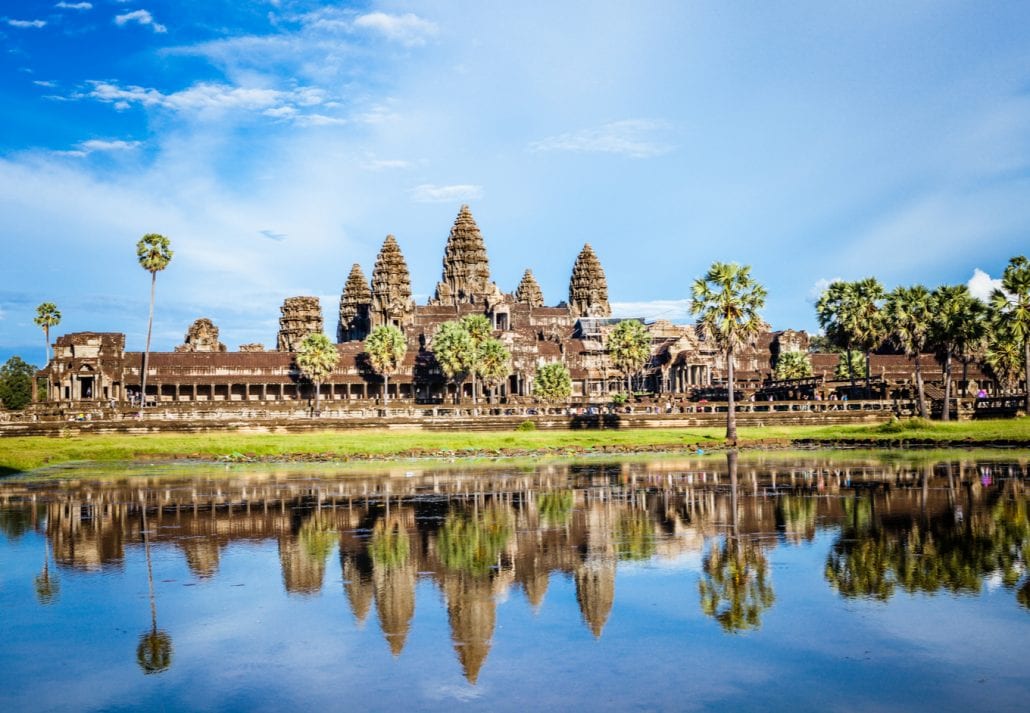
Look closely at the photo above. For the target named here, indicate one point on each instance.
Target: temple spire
(466, 270)
(391, 287)
(355, 303)
(528, 291)
(588, 288)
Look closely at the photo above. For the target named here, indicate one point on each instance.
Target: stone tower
(588, 288)
(202, 336)
(391, 288)
(355, 304)
(466, 271)
(301, 316)
(528, 292)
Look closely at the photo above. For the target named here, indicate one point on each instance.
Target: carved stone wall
(355, 305)
(202, 336)
(466, 270)
(588, 288)
(301, 316)
(391, 288)
(528, 292)
(252, 347)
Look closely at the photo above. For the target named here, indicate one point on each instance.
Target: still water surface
(775, 583)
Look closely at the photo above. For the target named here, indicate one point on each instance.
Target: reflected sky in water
(768, 583)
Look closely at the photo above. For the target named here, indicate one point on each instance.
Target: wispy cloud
(635, 138)
(429, 193)
(217, 98)
(42, 83)
(272, 235)
(981, 285)
(140, 17)
(408, 29)
(85, 148)
(386, 164)
(672, 310)
(27, 23)
(820, 286)
(74, 5)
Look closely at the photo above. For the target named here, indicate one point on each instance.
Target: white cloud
(981, 285)
(85, 148)
(75, 5)
(41, 83)
(672, 310)
(408, 29)
(140, 17)
(27, 23)
(819, 287)
(210, 98)
(635, 138)
(429, 193)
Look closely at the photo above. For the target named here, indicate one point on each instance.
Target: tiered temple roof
(391, 287)
(529, 292)
(355, 321)
(588, 288)
(466, 270)
(301, 316)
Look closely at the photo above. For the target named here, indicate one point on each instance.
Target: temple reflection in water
(480, 535)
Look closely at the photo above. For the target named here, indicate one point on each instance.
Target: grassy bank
(20, 454)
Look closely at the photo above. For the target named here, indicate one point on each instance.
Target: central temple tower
(466, 270)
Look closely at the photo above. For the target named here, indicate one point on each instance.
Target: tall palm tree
(454, 351)
(479, 330)
(850, 315)
(908, 316)
(494, 363)
(47, 316)
(154, 253)
(629, 345)
(956, 324)
(386, 347)
(1011, 305)
(726, 301)
(316, 359)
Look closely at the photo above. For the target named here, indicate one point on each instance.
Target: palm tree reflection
(735, 588)
(154, 651)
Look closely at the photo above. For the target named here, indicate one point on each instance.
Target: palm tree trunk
(945, 414)
(919, 388)
(46, 338)
(386, 389)
(146, 352)
(731, 415)
(868, 372)
(851, 368)
(1026, 364)
(318, 398)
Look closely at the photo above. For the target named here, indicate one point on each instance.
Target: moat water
(792, 582)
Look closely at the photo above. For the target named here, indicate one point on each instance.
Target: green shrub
(526, 425)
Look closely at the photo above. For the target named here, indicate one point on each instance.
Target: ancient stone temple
(391, 288)
(528, 292)
(466, 270)
(588, 288)
(202, 336)
(301, 316)
(355, 302)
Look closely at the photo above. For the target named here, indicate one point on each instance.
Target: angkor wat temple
(91, 366)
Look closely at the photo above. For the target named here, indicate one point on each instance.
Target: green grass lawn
(21, 454)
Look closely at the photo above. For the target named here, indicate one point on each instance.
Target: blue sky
(278, 142)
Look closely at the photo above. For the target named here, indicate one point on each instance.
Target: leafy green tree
(850, 366)
(154, 253)
(1011, 305)
(47, 316)
(726, 301)
(16, 383)
(793, 365)
(553, 382)
(386, 347)
(454, 350)
(908, 317)
(494, 363)
(957, 324)
(316, 358)
(629, 345)
(1003, 356)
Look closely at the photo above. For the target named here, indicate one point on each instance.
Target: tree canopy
(629, 346)
(553, 382)
(793, 365)
(16, 383)
(316, 358)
